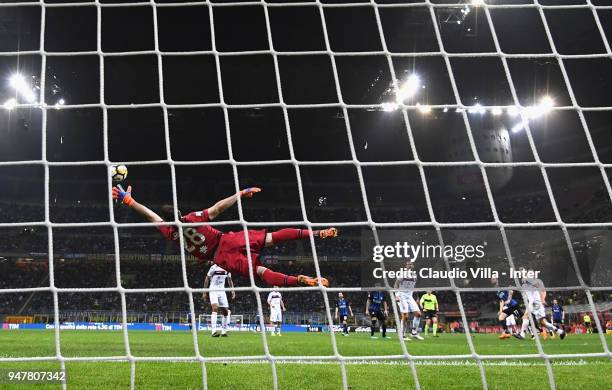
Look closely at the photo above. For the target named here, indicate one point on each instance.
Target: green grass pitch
(395, 374)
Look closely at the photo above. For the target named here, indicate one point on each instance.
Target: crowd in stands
(136, 274)
(334, 255)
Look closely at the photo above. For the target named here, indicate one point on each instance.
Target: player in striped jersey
(508, 306)
(343, 310)
(378, 309)
(407, 305)
(215, 278)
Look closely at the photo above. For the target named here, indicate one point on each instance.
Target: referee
(429, 303)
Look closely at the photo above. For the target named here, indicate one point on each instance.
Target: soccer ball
(119, 173)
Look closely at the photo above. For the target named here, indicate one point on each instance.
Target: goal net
(448, 72)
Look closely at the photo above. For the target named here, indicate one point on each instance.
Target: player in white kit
(511, 323)
(407, 304)
(215, 278)
(275, 301)
(536, 296)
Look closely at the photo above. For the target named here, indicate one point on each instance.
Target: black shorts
(513, 310)
(342, 318)
(379, 315)
(429, 314)
(557, 321)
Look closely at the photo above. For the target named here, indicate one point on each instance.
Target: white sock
(550, 327)
(415, 325)
(223, 323)
(524, 326)
(227, 322)
(213, 322)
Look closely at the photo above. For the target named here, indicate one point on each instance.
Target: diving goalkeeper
(227, 250)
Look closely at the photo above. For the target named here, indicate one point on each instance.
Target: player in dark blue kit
(377, 308)
(507, 306)
(189, 319)
(343, 310)
(558, 315)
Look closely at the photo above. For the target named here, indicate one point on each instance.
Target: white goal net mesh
(461, 106)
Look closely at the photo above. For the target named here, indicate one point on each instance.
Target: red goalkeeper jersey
(200, 241)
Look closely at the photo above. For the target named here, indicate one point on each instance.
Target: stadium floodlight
(389, 106)
(546, 104)
(518, 127)
(409, 88)
(477, 109)
(18, 82)
(496, 111)
(424, 109)
(513, 112)
(61, 102)
(544, 107)
(10, 104)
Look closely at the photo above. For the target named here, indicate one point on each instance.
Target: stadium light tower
(17, 81)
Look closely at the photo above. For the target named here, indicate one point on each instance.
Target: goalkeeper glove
(248, 192)
(124, 196)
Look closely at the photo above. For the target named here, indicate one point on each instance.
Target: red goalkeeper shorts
(231, 254)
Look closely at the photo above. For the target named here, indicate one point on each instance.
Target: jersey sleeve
(167, 231)
(269, 297)
(197, 216)
(211, 271)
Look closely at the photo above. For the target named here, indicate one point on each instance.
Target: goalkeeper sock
(213, 322)
(415, 325)
(290, 234)
(277, 279)
(435, 328)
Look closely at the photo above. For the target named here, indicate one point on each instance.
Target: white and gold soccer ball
(119, 173)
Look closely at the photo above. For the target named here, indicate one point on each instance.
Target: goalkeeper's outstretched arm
(125, 196)
(228, 202)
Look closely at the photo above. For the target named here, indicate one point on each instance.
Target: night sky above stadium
(318, 133)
